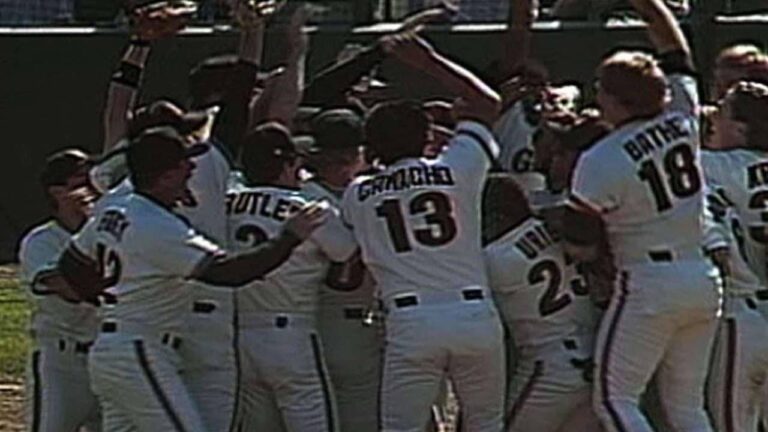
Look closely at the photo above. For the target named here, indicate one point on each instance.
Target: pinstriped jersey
(539, 293)
(146, 253)
(741, 176)
(344, 285)
(515, 137)
(644, 179)
(256, 214)
(418, 221)
(52, 316)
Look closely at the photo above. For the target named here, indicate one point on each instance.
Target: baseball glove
(162, 19)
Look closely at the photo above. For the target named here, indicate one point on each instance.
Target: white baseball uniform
(418, 225)
(211, 365)
(515, 137)
(145, 252)
(644, 180)
(544, 304)
(740, 176)
(281, 350)
(209, 352)
(739, 370)
(352, 344)
(59, 397)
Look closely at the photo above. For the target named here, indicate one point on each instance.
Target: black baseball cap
(268, 143)
(158, 149)
(166, 113)
(62, 165)
(335, 129)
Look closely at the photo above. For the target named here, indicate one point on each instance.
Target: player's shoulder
(47, 234)
(508, 243)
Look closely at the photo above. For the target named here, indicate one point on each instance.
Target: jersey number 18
(681, 175)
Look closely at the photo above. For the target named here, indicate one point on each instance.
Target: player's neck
(164, 197)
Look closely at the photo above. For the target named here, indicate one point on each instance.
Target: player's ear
(57, 192)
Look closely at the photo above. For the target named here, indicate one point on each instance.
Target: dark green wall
(53, 86)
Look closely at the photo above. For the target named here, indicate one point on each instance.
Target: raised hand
(304, 222)
(162, 19)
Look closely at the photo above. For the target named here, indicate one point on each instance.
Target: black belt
(166, 338)
(762, 295)
(412, 300)
(661, 256)
(78, 347)
(354, 313)
(204, 307)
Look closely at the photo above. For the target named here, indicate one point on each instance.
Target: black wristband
(128, 74)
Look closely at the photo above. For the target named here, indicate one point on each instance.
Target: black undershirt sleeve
(235, 270)
(329, 87)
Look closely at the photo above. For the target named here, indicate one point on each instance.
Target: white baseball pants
(424, 343)
(59, 396)
(210, 358)
(353, 353)
(138, 383)
(739, 368)
(283, 369)
(550, 391)
(661, 319)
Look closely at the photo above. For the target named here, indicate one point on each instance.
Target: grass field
(13, 349)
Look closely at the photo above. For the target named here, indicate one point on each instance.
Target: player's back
(538, 291)
(418, 221)
(257, 214)
(741, 176)
(344, 283)
(645, 181)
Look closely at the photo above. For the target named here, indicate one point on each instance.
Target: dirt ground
(11, 405)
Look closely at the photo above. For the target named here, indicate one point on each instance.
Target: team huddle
(307, 257)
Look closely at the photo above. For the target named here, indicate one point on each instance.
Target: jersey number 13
(434, 207)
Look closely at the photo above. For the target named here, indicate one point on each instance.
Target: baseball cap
(268, 143)
(335, 129)
(166, 113)
(62, 165)
(158, 149)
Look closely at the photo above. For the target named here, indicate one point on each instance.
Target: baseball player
(281, 349)
(418, 225)
(644, 181)
(737, 170)
(352, 347)
(739, 370)
(143, 252)
(542, 297)
(63, 327)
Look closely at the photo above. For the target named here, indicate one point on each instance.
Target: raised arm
(478, 100)
(663, 29)
(284, 95)
(149, 23)
(516, 41)
(122, 92)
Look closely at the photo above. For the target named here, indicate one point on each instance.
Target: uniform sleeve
(174, 248)
(345, 207)
(594, 185)
(335, 240)
(505, 272)
(682, 82)
(38, 259)
(472, 150)
(715, 222)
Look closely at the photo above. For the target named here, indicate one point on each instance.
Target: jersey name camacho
(405, 178)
